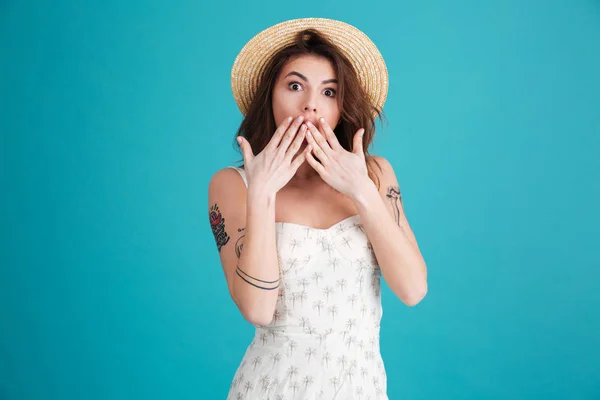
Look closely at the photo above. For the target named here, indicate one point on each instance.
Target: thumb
(246, 149)
(357, 147)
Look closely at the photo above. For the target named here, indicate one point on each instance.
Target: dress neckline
(293, 224)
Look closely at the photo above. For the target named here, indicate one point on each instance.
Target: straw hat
(354, 44)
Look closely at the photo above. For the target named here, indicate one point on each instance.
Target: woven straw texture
(353, 43)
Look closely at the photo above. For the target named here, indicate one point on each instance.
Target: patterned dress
(323, 341)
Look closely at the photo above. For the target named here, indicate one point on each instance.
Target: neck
(306, 173)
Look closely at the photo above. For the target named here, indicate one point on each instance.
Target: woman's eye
(294, 86)
(329, 92)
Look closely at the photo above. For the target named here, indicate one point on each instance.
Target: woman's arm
(246, 220)
(382, 215)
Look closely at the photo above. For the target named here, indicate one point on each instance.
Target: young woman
(311, 221)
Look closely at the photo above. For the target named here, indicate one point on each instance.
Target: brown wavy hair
(356, 111)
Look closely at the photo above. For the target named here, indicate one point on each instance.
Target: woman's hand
(343, 170)
(275, 166)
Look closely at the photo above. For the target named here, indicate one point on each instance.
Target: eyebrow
(305, 79)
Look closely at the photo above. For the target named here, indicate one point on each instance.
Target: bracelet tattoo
(238, 270)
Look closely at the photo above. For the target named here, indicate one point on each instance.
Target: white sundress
(323, 341)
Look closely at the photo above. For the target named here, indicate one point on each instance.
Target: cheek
(281, 103)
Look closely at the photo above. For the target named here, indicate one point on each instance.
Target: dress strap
(242, 174)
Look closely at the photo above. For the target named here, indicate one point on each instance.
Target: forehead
(310, 66)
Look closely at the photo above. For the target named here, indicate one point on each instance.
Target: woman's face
(306, 86)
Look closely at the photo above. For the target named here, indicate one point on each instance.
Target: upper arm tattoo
(217, 223)
(239, 245)
(395, 198)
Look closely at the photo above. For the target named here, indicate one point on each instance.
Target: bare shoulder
(385, 172)
(227, 180)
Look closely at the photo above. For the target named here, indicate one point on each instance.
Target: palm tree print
(294, 243)
(350, 374)
(276, 357)
(292, 371)
(363, 372)
(342, 284)
(303, 296)
(248, 386)
(256, 361)
(333, 310)
(335, 381)
(292, 346)
(334, 263)
(346, 241)
(350, 323)
(327, 291)
(265, 381)
(294, 387)
(309, 353)
(359, 392)
(304, 282)
(361, 281)
(350, 341)
(316, 276)
(308, 380)
(264, 338)
(352, 299)
(319, 304)
(304, 322)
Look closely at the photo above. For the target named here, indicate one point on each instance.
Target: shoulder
(382, 168)
(227, 180)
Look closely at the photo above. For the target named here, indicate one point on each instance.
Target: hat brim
(354, 44)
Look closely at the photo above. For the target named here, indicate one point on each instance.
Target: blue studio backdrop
(114, 115)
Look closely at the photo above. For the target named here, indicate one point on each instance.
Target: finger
(295, 146)
(314, 162)
(281, 129)
(329, 134)
(357, 147)
(298, 161)
(289, 135)
(246, 149)
(319, 138)
(316, 148)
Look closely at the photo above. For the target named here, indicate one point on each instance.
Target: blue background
(114, 116)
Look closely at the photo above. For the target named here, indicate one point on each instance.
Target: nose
(310, 104)
(310, 108)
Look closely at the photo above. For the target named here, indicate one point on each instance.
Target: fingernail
(322, 120)
(239, 140)
(362, 132)
(300, 118)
